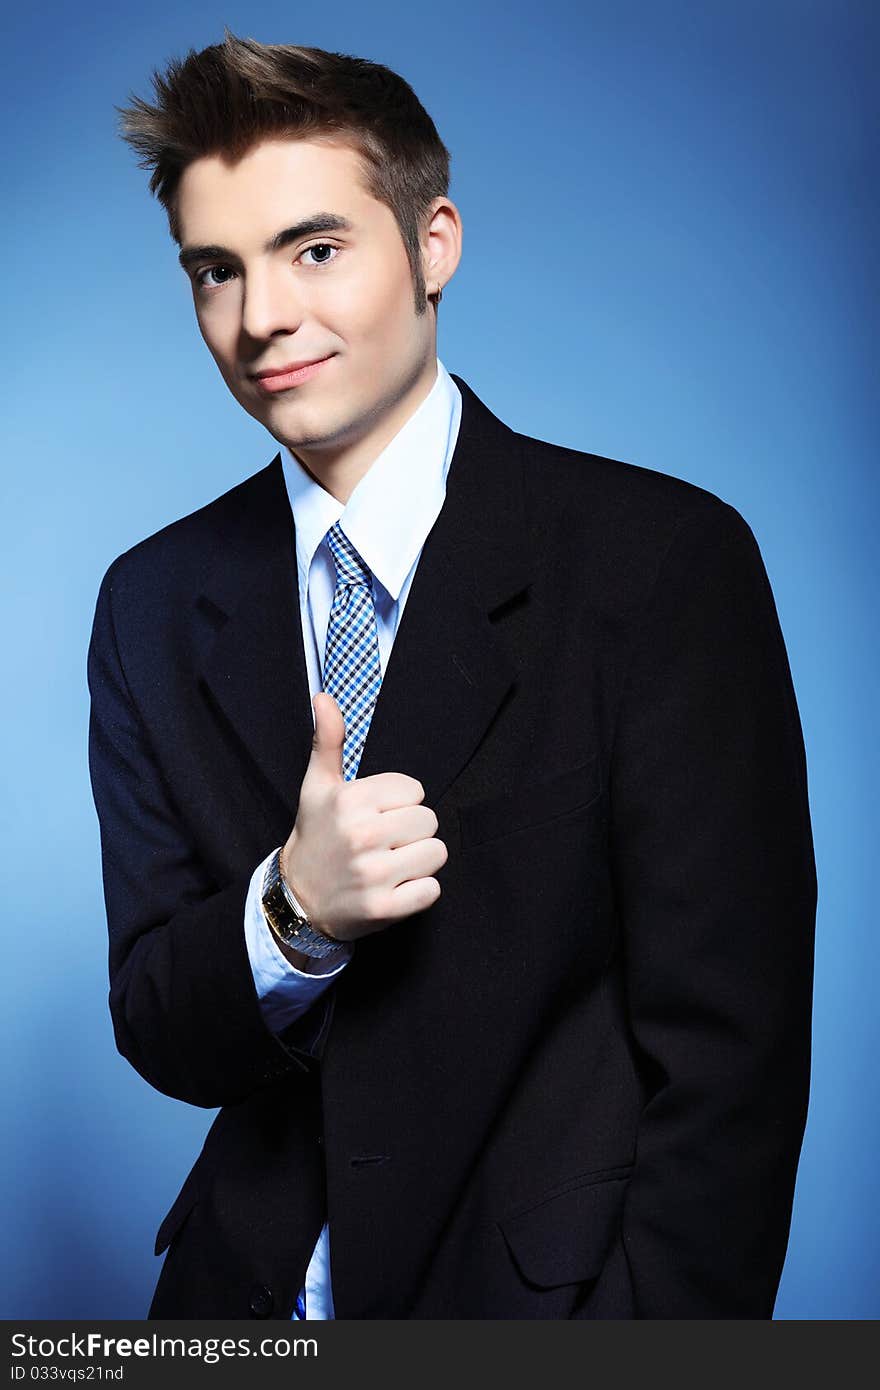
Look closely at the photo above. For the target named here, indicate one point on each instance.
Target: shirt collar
(411, 470)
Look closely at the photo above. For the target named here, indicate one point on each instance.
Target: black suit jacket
(576, 1085)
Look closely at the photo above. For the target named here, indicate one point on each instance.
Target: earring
(439, 293)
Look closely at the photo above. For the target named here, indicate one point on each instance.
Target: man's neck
(339, 471)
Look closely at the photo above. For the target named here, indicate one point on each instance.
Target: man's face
(343, 294)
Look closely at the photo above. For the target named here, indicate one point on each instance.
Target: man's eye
(212, 270)
(321, 246)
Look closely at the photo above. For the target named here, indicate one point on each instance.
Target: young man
(451, 787)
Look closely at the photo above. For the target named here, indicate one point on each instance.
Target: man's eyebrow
(310, 226)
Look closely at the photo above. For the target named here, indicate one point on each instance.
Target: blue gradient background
(668, 211)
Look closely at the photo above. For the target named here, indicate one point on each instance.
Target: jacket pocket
(529, 805)
(564, 1238)
(193, 1188)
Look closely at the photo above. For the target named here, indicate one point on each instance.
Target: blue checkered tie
(352, 671)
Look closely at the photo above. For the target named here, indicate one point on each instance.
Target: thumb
(328, 738)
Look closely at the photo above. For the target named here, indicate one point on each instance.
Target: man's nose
(271, 303)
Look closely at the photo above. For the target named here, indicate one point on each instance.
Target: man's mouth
(274, 379)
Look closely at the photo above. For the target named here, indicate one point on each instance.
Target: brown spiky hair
(229, 96)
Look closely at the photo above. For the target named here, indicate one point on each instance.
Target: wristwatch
(288, 919)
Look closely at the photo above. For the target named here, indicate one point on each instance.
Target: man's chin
(289, 423)
(310, 430)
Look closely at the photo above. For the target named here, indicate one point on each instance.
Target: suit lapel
(255, 670)
(448, 671)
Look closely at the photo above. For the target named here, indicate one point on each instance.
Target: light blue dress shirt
(387, 518)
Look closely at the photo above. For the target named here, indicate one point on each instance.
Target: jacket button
(262, 1301)
(320, 1140)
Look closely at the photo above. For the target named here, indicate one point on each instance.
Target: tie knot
(350, 568)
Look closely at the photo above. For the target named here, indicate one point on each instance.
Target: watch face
(287, 924)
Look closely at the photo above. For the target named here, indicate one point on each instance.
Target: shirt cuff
(284, 992)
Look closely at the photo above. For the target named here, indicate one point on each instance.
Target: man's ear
(441, 244)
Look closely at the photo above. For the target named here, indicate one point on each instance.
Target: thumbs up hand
(362, 854)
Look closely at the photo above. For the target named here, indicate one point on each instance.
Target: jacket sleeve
(714, 874)
(183, 1001)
